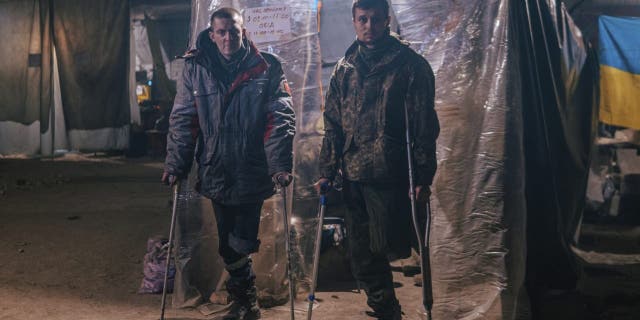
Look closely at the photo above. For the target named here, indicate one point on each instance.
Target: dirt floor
(74, 233)
(74, 230)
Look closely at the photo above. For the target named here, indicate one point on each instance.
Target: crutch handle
(324, 188)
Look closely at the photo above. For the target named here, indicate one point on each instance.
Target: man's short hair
(370, 4)
(227, 13)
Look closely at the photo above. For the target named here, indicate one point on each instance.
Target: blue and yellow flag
(620, 71)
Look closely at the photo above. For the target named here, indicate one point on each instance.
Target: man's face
(227, 34)
(370, 24)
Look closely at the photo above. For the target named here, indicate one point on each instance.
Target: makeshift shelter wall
(559, 71)
(514, 149)
(92, 72)
(477, 114)
(142, 50)
(163, 89)
(24, 80)
(514, 144)
(300, 57)
(93, 63)
(25, 76)
(477, 237)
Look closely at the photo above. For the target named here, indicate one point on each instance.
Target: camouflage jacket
(364, 117)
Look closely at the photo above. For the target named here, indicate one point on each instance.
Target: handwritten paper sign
(266, 24)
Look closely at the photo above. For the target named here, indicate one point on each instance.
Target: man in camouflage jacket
(364, 140)
(233, 114)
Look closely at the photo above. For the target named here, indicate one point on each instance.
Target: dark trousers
(237, 238)
(379, 225)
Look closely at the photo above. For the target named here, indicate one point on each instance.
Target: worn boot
(242, 290)
(394, 314)
(244, 305)
(384, 303)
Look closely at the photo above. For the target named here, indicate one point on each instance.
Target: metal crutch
(287, 245)
(316, 256)
(425, 266)
(425, 263)
(174, 209)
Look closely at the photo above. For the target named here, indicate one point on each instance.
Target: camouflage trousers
(378, 221)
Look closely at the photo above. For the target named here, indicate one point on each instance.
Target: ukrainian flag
(620, 71)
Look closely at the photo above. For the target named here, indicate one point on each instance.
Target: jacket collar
(252, 63)
(391, 58)
(207, 55)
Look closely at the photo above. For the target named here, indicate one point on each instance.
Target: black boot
(242, 290)
(243, 307)
(384, 303)
(394, 314)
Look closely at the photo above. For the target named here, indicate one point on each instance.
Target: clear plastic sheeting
(477, 235)
(300, 57)
(190, 239)
(199, 267)
(515, 98)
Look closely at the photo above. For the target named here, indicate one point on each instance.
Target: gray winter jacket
(239, 133)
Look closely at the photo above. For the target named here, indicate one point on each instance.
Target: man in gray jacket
(233, 114)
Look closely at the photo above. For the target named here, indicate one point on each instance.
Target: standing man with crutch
(364, 119)
(233, 114)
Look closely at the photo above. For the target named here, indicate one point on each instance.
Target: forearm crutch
(287, 245)
(174, 209)
(316, 256)
(423, 245)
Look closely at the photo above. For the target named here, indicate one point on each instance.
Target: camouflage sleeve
(281, 124)
(424, 122)
(182, 125)
(331, 151)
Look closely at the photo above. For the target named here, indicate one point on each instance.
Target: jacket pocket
(204, 84)
(259, 86)
(205, 89)
(392, 160)
(348, 142)
(211, 148)
(207, 99)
